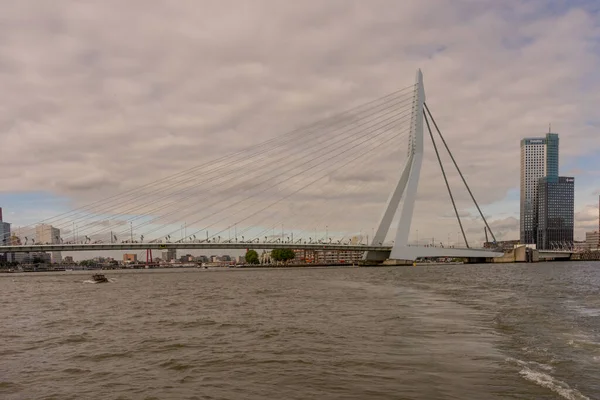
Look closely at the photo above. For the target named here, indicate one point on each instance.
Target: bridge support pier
(476, 260)
(375, 258)
(390, 262)
(149, 259)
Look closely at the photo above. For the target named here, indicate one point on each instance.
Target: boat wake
(544, 379)
(91, 281)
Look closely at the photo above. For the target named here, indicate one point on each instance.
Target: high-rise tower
(547, 199)
(4, 231)
(539, 159)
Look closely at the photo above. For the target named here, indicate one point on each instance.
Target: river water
(528, 331)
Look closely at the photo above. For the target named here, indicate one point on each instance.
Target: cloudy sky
(102, 96)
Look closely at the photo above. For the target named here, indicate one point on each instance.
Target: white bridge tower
(404, 194)
(407, 186)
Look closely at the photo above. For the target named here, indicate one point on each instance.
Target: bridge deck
(184, 246)
(411, 252)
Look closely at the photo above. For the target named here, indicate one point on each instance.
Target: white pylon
(406, 189)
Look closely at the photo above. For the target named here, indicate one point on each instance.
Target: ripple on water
(76, 371)
(583, 342)
(176, 365)
(103, 356)
(9, 386)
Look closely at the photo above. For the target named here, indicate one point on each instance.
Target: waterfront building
(328, 256)
(502, 244)
(539, 158)
(4, 231)
(592, 240)
(129, 258)
(170, 255)
(5, 238)
(186, 258)
(39, 257)
(555, 212)
(47, 234)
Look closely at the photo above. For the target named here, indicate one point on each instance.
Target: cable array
(250, 189)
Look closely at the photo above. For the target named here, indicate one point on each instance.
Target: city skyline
(115, 123)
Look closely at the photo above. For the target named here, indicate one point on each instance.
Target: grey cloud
(106, 96)
(588, 214)
(86, 183)
(461, 214)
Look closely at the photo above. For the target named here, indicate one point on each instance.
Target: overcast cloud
(101, 96)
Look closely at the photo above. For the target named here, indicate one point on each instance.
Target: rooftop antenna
(550, 127)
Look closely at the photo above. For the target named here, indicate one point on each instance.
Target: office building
(186, 258)
(39, 257)
(170, 255)
(5, 235)
(5, 238)
(47, 234)
(592, 241)
(4, 231)
(539, 158)
(555, 212)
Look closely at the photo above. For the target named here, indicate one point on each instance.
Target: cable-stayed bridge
(277, 194)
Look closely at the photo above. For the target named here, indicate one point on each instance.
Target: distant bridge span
(384, 251)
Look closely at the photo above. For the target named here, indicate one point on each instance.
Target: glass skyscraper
(551, 161)
(555, 212)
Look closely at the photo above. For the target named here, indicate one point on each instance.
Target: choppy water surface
(439, 332)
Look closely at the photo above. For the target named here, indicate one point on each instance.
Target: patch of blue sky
(559, 7)
(25, 208)
(588, 164)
